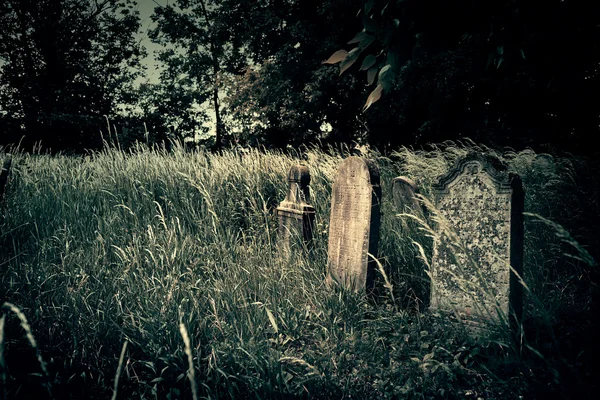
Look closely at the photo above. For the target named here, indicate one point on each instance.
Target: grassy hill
(149, 247)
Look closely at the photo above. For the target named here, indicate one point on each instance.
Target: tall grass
(128, 247)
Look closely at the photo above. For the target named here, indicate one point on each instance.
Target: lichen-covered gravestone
(296, 215)
(354, 224)
(482, 205)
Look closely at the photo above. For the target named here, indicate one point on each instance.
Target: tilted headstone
(296, 215)
(403, 192)
(471, 272)
(6, 163)
(410, 214)
(354, 224)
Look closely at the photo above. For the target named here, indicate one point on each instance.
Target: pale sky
(146, 8)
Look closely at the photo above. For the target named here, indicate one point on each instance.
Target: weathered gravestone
(471, 272)
(354, 224)
(403, 192)
(296, 215)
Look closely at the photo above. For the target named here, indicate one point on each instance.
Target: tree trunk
(215, 60)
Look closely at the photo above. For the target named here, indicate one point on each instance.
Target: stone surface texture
(483, 206)
(354, 224)
(296, 216)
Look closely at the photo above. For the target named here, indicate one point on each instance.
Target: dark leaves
(368, 62)
(361, 37)
(336, 57)
(373, 97)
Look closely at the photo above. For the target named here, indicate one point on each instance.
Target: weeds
(133, 246)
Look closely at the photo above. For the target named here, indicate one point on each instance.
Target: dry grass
(119, 247)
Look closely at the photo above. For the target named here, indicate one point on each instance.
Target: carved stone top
(299, 174)
(299, 179)
(473, 164)
(296, 215)
(406, 181)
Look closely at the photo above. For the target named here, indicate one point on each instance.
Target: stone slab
(354, 224)
(471, 272)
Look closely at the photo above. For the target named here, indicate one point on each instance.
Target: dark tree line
(65, 65)
(517, 73)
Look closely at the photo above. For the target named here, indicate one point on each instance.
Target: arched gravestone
(483, 205)
(354, 224)
(296, 215)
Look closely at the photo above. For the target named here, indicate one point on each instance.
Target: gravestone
(296, 215)
(6, 163)
(483, 205)
(354, 224)
(403, 193)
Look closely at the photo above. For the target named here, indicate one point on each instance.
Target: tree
(197, 54)
(286, 88)
(65, 66)
(513, 73)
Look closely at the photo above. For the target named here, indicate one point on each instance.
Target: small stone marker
(483, 205)
(4, 174)
(296, 215)
(354, 224)
(403, 193)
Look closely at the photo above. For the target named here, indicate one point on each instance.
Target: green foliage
(286, 96)
(198, 53)
(503, 67)
(64, 66)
